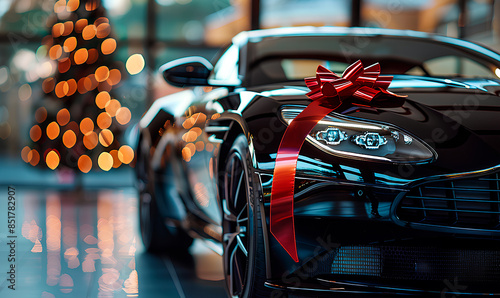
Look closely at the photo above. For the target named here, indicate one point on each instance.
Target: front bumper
(350, 238)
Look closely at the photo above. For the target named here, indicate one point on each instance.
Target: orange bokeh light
(40, 114)
(116, 160)
(93, 56)
(84, 163)
(62, 89)
(69, 138)
(89, 32)
(81, 56)
(81, 85)
(57, 29)
(123, 115)
(135, 64)
(60, 6)
(90, 140)
(55, 52)
(101, 20)
(72, 5)
(68, 28)
(103, 120)
(92, 80)
(24, 154)
(189, 136)
(63, 117)
(126, 154)
(114, 77)
(103, 30)
(86, 125)
(106, 137)
(52, 159)
(72, 87)
(200, 118)
(108, 46)
(35, 133)
(102, 99)
(105, 161)
(53, 130)
(64, 65)
(87, 83)
(200, 145)
(35, 157)
(48, 85)
(69, 44)
(186, 154)
(188, 123)
(30, 155)
(112, 106)
(102, 73)
(192, 148)
(80, 25)
(197, 131)
(91, 5)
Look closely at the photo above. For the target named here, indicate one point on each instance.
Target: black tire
(237, 171)
(156, 236)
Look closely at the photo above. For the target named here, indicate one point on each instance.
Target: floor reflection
(86, 244)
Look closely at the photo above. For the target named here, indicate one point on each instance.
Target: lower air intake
(418, 263)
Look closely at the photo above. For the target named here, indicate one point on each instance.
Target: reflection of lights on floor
(77, 240)
(53, 240)
(87, 244)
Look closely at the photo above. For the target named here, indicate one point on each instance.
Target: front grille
(460, 203)
(418, 263)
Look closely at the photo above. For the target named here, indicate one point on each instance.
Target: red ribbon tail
(327, 92)
(282, 223)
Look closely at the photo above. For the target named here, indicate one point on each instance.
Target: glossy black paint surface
(338, 201)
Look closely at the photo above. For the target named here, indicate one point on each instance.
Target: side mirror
(185, 72)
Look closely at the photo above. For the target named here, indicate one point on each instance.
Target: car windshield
(291, 58)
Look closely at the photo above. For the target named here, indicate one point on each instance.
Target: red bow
(328, 92)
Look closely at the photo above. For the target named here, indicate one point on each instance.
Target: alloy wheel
(236, 225)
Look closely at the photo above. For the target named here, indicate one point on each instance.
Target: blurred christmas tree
(79, 122)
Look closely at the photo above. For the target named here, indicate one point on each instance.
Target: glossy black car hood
(459, 118)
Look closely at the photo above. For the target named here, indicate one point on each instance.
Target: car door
(200, 147)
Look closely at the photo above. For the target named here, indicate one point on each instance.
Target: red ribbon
(328, 92)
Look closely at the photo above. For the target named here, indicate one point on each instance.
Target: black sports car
(387, 199)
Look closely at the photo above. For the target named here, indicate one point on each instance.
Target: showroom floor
(86, 244)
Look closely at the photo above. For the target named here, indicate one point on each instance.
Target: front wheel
(244, 255)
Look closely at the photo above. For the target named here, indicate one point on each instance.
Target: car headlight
(364, 140)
